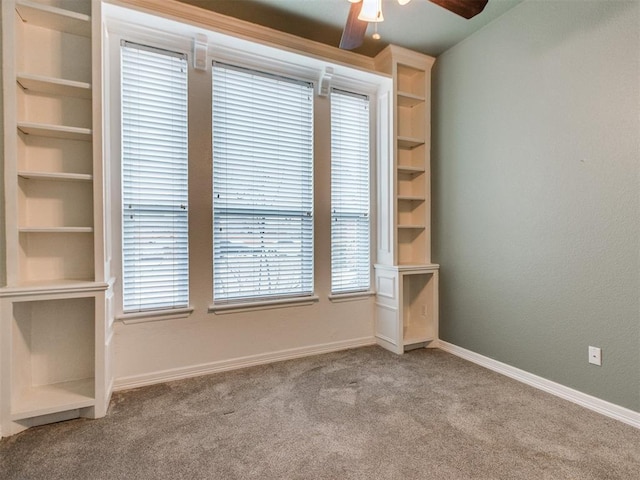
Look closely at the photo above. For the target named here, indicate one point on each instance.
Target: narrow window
(154, 179)
(262, 185)
(350, 219)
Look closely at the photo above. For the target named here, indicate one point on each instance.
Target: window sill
(348, 297)
(262, 305)
(154, 315)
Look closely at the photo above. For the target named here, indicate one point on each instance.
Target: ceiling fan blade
(354, 30)
(464, 8)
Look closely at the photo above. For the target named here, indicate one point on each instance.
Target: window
(262, 185)
(154, 179)
(350, 219)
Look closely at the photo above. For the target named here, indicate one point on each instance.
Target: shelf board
(55, 229)
(55, 176)
(412, 227)
(48, 287)
(412, 339)
(412, 198)
(55, 131)
(54, 398)
(406, 99)
(409, 142)
(54, 18)
(410, 169)
(53, 85)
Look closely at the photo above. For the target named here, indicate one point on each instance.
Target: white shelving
(54, 334)
(406, 281)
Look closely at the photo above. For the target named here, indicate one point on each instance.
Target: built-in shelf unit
(55, 331)
(406, 280)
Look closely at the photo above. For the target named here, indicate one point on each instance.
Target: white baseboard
(236, 363)
(598, 405)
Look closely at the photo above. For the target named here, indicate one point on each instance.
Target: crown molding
(206, 19)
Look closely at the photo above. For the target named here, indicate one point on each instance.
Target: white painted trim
(597, 405)
(135, 381)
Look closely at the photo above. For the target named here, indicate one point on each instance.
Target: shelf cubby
(54, 203)
(54, 155)
(52, 356)
(410, 80)
(53, 17)
(55, 255)
(417, 298)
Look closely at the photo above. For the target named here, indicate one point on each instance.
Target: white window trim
(147, 28)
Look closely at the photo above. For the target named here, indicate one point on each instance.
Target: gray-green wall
(536, 155)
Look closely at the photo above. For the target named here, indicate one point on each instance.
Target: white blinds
(262, 185)
(154, 179)
(350, 229)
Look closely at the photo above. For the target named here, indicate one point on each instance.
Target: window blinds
(154, 179)
(350, 227)
(262, 185)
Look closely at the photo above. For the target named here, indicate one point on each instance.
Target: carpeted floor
(357, 414)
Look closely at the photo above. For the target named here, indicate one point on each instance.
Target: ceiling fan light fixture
(371, 11)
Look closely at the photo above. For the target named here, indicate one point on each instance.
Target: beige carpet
(358, 414)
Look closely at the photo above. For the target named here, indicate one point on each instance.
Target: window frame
(179, 36)
(176, 211)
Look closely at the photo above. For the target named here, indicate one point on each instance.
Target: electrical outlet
(595, 355)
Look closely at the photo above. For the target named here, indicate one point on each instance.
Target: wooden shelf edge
(411, 198)
(409, 142)
(54, 398)
(55, 176)
(55, 229)
(54, 85)
(412, 227)
(61, 287)
(410, 169)
(407, 99)
(417, 339)
(54, 18)
(55, 131)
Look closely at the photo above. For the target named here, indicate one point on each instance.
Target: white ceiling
(420, 25)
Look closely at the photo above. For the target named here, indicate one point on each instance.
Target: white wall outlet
(595, 355)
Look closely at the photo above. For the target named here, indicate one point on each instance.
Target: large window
(262, 185)
(350, 219)
(154, 179)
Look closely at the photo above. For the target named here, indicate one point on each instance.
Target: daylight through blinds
(350, 219)
(262, 185)
(154, 179)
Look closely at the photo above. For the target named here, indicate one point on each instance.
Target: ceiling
(421, 26)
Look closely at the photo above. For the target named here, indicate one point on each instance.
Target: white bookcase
(406, 280)
(56, 328)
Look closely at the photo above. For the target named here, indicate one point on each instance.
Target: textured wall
(536, 203)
